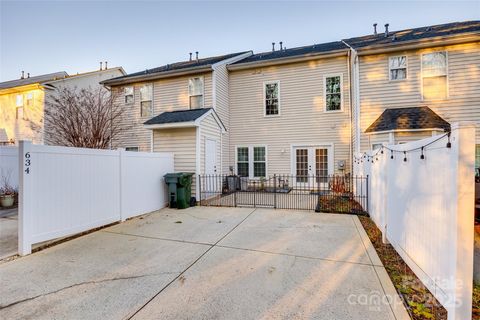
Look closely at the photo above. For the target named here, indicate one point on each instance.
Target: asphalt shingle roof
(37, 79)
(292, 52)
(408, 118)
(443, 30)
(178, 116)
(183, 65)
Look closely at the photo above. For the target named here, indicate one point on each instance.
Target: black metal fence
(333, 193)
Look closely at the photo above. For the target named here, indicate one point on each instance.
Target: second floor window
(434, 75)
(128, 93)
(272, 98)
(397, 67)
(333, 93)
(146, 100)
(30, 99)
(195, 92)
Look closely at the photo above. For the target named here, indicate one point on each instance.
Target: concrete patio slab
(242, 284)
(197, 224)
(98, 276)
(288, 264)
(300, 233)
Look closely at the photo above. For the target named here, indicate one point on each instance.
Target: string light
(374, 156)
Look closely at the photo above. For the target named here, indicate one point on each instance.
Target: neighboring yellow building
(22, 101)
(21, 107)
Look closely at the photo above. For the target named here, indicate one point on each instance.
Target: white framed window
(146, 100)
(271, 98)
(397, 68)
(19, 100)
(376, 146)
(128, 95)
(131, 149)
(196, 92)
(434, 75)
(251, 161)
(333, 85)
(29, 99)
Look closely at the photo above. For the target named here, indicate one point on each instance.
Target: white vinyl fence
(425, 209)
(64, 191)
(9, 165)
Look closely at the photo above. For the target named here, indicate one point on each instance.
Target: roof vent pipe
(375, 28)
(190, 56)
(196, 55)
(23, 75)
(281, 47)
(101, 63)
(386, 29)
(106, 65)
(273, 46)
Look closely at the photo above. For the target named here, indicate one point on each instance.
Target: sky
(48, 36)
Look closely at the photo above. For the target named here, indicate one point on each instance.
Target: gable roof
(311, 50)
(177, 116)
(415, 34)
(412, 118)
(200, 65)
(32, 80)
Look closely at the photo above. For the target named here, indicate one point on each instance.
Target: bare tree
(84, 118)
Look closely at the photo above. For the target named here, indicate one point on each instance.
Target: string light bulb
(405, 156)
(449, 144)
(391, 156)
(422, 156)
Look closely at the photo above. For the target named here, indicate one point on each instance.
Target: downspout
(354, 96)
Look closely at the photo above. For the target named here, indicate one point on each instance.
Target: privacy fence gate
(333, 193)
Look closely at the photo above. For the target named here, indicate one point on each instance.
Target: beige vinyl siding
(302, 120)
(222, 109)
(180, 141)
(378, 93)
(411, 136)
(168, 95)
(210, 129)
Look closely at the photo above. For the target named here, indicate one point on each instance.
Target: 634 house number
(28, 162)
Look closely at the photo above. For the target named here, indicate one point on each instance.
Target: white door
(210, 156)
(312, 165)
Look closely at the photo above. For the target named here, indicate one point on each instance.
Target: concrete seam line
(189, 266)
(294, 255)
(374, 270)
(361, 239)
(157, 238)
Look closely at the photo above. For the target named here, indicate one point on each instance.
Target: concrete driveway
(206, 263)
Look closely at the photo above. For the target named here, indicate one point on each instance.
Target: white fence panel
(64, 191)
(425, 209)
(9, 164)
(143, 185)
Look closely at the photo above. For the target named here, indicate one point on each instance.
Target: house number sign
(27, 163)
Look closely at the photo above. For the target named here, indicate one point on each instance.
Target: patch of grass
(339, 204)
(420, 303)
(476, 302)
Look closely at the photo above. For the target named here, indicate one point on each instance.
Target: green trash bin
(179, 189)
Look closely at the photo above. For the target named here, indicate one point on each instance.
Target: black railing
(333, 193)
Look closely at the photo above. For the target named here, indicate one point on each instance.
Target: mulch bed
(420, 303)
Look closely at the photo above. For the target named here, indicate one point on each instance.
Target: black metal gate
(333, 193)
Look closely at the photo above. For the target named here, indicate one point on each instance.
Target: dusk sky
(43, 37)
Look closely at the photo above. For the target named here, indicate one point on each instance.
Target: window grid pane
(434, 64)
(333, 94)
(271, 98)
(146, 108)
(242, 162)
(259, 166)
(302, 165)
(477, 156)
(321, 162)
